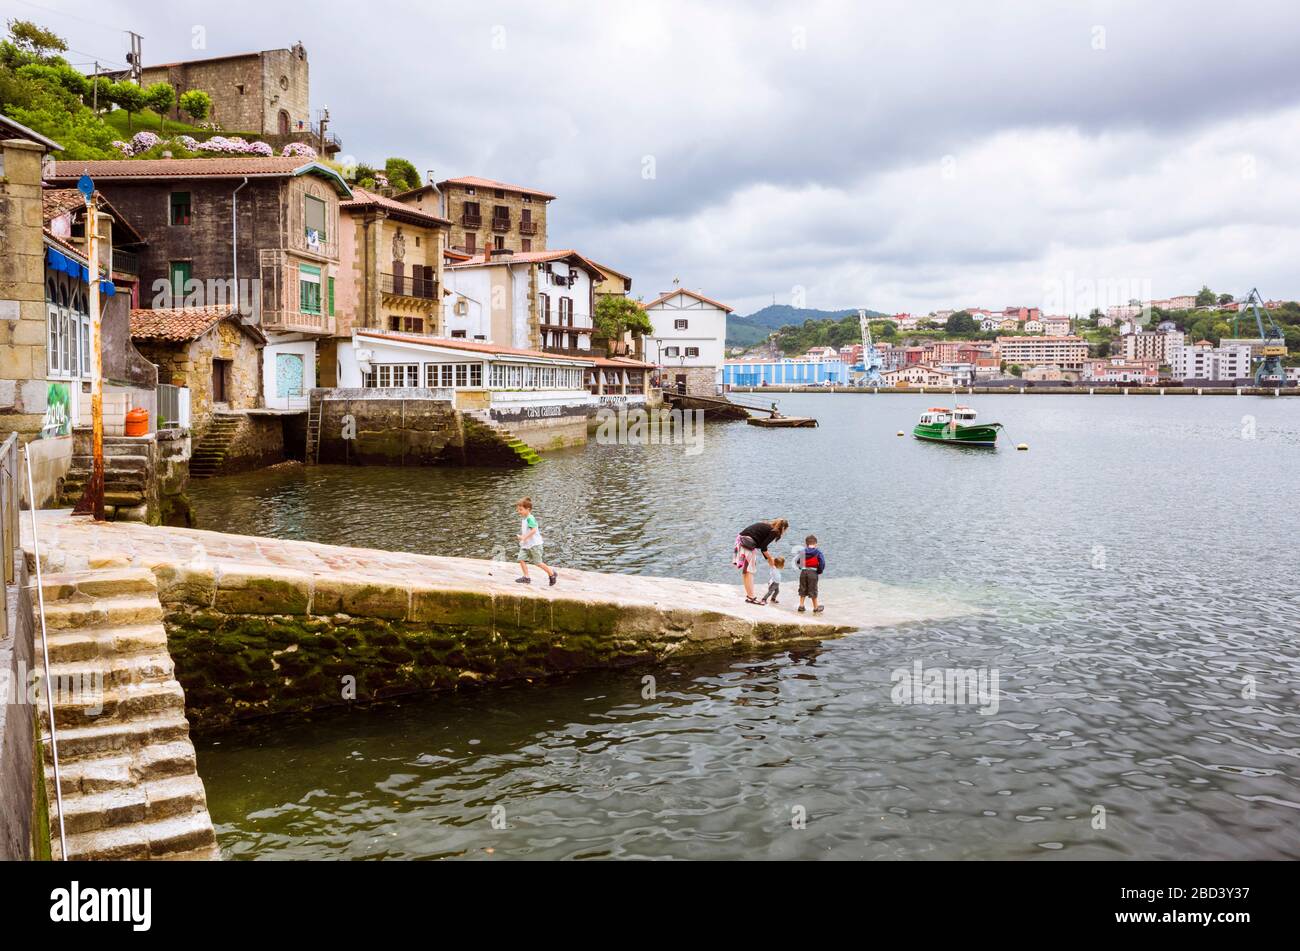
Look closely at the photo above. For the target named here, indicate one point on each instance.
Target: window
(545, 302)
(528, 244)
(500, 193)
(85, 346)
(692, 351)
(499, 243)
(470, 191)
(471, 208)
(471, 242)
(462, 374)
(447, 373)
(56, 330)
(313, 217)
(679, 324)
(458, 335)
(566, 312)
(309, 289)
(180, 208)
(476, 374)
(180, 276)
(670, 351)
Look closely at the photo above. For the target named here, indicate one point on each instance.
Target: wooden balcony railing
(289, 321)
(470, 220)
(528, 227)
(500, 222)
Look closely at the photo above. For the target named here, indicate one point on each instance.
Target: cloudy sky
(895, 155)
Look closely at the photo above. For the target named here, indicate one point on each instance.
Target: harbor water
(1130, 585)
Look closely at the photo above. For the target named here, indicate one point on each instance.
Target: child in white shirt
(773, 580)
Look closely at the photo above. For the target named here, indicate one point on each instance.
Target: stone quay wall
(251, 642)
(409, 428)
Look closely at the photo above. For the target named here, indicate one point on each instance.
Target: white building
(688, 339)
(918, 374)
(532, 300)
(1204, 361)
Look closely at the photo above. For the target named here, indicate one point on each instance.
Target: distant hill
(751, 329)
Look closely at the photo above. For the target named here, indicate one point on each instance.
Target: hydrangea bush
(299, 149)
(143, 142)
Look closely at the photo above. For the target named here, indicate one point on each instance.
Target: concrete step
(146, 801)
(116, 737)
(69, 647)
(103, 582)
(116, 463)
(188, 833)
(121, 703)
(122, 769)
(125, 611)
(118, 669)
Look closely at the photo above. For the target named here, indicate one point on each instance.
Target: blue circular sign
(86, 186)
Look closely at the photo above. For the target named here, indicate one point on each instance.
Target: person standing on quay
(749, 543)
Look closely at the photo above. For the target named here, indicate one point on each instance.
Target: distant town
(1137, 343)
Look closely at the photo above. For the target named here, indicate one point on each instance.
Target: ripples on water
(1134, 572)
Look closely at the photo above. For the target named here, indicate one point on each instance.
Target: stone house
(617, 284)
(209, 350)
(260, 234)
(392, 273)
(485, 213)
(266, 93)
(534, 300)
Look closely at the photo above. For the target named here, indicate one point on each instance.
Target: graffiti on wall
(58, 412)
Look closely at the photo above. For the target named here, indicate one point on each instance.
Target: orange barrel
(137, 422)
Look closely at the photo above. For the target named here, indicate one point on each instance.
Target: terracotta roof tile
(182, 324)
(531, 257)
(363, 198)
(279, 166)
(473, 181)
(476, 346)
(689, 293)
(60, 201)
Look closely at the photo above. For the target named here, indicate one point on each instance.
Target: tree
(129, 97)
(887, 329)
(1225, 300)
(402, 174)
(35, 41)
(196, 104)
(1014, 369)
(160, 97)
(1205, 297)
(616, 315)
(961, 323)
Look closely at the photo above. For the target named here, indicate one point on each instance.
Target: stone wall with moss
(276, 641)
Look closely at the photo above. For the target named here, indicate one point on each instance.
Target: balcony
(471, 220)
(500, 222)
(528, 227)
(407, 285)
(126, 262)
(297, 322)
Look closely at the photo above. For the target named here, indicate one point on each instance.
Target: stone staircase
(210, 453)
(131, 789)
(508, 440)
(126, 475)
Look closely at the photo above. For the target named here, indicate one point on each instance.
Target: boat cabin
(936, 416)
(964, 415)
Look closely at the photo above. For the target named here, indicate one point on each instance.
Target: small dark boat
(798, 422)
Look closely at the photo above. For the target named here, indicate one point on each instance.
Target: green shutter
(331, 297)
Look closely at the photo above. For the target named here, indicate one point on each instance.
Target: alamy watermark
(952, 686)
(638, 426)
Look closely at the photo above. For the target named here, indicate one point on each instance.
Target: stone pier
(260, 626)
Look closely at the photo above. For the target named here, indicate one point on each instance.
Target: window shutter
(331, 297)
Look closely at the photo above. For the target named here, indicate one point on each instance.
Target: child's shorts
(808, 583)
(532, 556)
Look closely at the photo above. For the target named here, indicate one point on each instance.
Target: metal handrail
(45, 650)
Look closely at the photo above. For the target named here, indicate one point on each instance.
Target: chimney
(487, 251)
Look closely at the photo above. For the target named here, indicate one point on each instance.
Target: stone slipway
(260, 626)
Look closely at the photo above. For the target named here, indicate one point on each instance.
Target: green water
(1133, 575)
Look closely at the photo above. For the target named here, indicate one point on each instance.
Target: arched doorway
(284, 122)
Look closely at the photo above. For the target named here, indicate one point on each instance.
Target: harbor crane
(1269, 372)
(871, 360)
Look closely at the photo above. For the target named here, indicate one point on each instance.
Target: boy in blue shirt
(811, 562)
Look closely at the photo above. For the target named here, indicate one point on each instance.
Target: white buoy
(1023, 447)
(900, 432)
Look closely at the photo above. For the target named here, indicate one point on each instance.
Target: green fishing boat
(956, 427)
